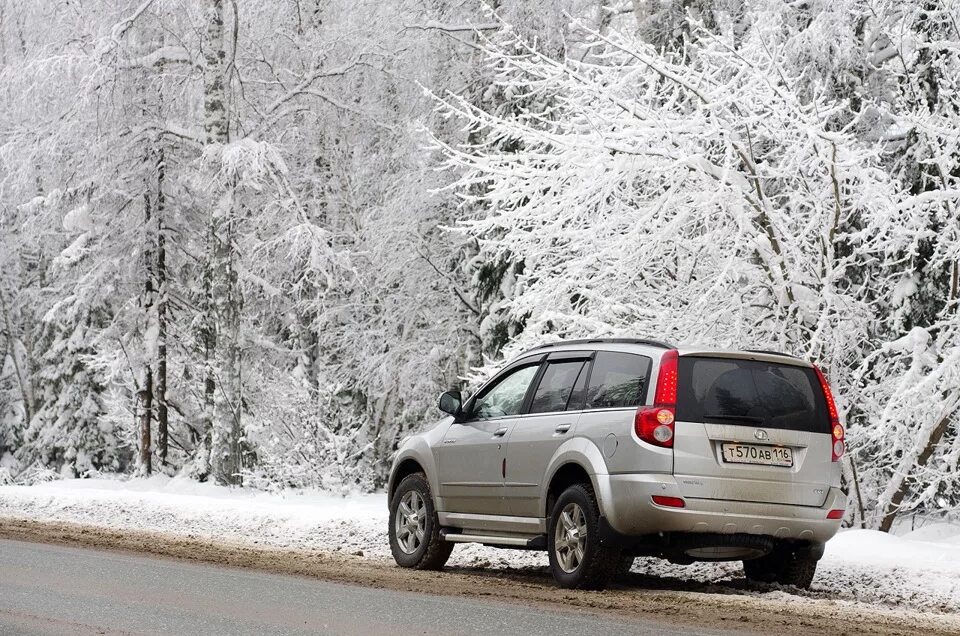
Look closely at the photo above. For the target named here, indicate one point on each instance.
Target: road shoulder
(745, 613)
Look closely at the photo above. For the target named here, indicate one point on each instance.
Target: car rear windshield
(751, 392)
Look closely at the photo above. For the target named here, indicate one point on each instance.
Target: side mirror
(451, 403)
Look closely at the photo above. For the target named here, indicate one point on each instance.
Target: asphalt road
(47, 589)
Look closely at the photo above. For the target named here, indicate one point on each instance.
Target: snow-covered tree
(711, 192)
(229, 248)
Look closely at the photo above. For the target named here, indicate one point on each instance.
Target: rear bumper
(626, 502)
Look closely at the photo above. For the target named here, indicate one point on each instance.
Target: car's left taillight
(654, 424)
(837, 434)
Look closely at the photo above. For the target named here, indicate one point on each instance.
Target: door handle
(500, 432)
(563, 428)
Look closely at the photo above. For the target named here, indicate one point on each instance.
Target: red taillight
(654, 424)
(670, 502)
(667, 380)
(838, 437)
(835, 514)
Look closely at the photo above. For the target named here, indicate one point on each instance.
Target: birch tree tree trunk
(145, 392)
(23, 379)
(145, 410)
(222, 303)
(162, 300)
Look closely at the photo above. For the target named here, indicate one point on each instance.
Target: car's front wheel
(578, 556)
(414, 528)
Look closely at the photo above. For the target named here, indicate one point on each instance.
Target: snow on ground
(919, 570)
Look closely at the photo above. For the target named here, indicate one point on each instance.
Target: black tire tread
(601, 561)
(623, 567)
(438, 551)
(798, 570)
(785, 566)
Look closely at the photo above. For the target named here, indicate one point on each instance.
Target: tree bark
(222, 424)
(145, 393)
(214, 94)
(23, 382)
(161, 275)
(955, 285)
(893, 508)
(215, 131)
(145, 405)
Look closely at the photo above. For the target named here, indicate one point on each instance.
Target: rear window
(556, 386)
(749, 392)
(617, 380)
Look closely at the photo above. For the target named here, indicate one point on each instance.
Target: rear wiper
(739, 418)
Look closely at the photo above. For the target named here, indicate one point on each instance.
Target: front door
(550, 420)
(470, 457)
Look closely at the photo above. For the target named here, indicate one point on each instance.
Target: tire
(415, 538)
(583, 560)
(785, 565)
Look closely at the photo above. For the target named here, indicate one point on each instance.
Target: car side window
(579, 395)
(506, 396)
(618, 380)
(555, 386)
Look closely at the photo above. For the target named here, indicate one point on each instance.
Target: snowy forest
(251, 242)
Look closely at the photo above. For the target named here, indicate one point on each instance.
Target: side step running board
(538, 542)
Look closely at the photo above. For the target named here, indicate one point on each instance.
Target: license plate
(754, 454)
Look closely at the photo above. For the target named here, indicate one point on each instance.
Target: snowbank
(920, 570)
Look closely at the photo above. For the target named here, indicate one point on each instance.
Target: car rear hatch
(752, 428)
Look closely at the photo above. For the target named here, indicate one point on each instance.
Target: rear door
(470, 456)
(538, 433)
(752, 429)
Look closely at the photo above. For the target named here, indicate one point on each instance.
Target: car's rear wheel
(414, 528)
(786, 565)
(624, 565)
(578, 556)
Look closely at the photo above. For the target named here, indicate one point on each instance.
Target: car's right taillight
(837, 435)
(654, 424)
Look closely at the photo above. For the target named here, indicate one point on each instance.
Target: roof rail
(772, 353)
(640, 341)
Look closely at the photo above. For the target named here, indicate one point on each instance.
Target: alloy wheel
(570, 537)
(411, 521)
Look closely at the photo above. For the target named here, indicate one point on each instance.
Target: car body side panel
(419, 448)
(533, 442)
(612, 431)
(469, 466)
(582, 452)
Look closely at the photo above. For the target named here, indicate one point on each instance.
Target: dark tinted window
(506, 396)
(556, 386)
(749, 392)
(579, 395)
(617, 380)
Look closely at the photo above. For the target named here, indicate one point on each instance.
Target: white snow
(78, 219)
(919, 571)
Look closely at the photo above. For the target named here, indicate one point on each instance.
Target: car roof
(632, 344)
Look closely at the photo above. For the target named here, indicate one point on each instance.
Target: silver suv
(599, 451)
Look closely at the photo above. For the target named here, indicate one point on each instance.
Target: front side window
(506, 396)
(555, 387)
(617, 380)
